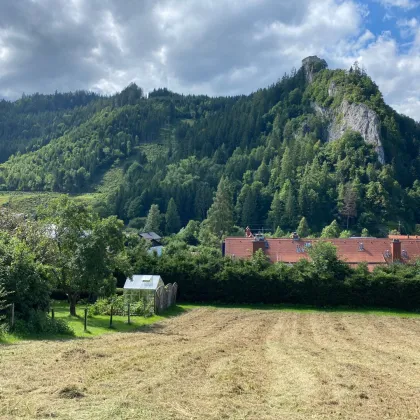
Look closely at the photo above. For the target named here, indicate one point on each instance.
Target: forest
(261, 160)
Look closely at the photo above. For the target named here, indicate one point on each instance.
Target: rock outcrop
(360, 118)
(312, 65)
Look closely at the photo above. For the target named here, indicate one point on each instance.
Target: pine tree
(331, 231)
(278, 233)
(154, 219)
(263, 173)
(220, 214)
(173, 221)
(287, 169)
(303, 228)
(349, 205)
(276, 211)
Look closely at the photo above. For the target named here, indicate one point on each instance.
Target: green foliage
(331, 231)
(119, 306)
(269, 147)
(38, 322)
(303, 228)
(173, 222)
(84, 249)
(22, 278)
(204, 276)
(154, 220)
(220, 214)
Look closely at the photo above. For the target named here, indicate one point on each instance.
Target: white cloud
(218, 47)
(404, 4)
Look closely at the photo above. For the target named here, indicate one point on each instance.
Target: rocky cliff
(312, 65)
(352, 116)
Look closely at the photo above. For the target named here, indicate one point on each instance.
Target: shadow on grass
(96, 326)
(307, 308)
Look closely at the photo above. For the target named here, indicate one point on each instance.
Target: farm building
(372, 251)
(148, 288)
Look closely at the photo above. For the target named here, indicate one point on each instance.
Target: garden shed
(150, 290)
(141, 286)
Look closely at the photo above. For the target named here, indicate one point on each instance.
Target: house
(155, 242)
(355, 250)
(152, 237)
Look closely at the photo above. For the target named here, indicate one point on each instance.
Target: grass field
(223, 363)
(97, 325)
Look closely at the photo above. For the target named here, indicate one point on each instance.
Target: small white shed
(141, 286)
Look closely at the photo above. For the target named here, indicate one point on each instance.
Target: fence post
(52, 314)
(128, 313)
(110, 319)
(12, 321)
(86, 311)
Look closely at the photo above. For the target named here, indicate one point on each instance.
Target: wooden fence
(165, 297)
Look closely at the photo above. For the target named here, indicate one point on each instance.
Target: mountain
(319, 143)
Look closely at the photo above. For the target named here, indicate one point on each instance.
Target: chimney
(258, 243)
(396, 250)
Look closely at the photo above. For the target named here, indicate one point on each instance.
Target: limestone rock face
(313, 65)
(356, 117)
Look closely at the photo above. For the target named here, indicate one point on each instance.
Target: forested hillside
(319, 144)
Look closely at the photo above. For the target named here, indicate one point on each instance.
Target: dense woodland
(265, 154)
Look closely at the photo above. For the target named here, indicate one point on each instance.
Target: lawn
(97, 325)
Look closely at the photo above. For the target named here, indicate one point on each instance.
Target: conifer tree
(154, 219)
(303, 228)
(331, 231)
(276, 211)
(173, 221)
(220, 214)
(287, 170)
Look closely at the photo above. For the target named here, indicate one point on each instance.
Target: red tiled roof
(374, 249)
(403, 237)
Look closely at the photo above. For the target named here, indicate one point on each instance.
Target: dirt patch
(223, 363)
(71, 392)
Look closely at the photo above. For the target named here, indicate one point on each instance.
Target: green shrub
(39, 322)
(103, 307)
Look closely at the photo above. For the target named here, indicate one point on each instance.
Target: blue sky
(217, 47)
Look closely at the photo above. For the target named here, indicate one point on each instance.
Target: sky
(215, 47)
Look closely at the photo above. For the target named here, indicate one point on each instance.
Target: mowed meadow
(215, 363)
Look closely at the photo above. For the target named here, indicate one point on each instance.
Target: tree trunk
(72, 301)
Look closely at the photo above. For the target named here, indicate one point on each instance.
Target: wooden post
(12, 320)
(128, 313)
(110, 319)
(86, 311)
(52, 314)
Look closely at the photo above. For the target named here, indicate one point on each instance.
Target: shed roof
(143, 282)
(150, 236)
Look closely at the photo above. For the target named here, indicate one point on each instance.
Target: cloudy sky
(218, 47)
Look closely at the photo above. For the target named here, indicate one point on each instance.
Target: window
(361, 246)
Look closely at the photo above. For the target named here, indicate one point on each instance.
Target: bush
(40, 323)
(103, 307)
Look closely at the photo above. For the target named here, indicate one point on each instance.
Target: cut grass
(223, 363)
(312, 309)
